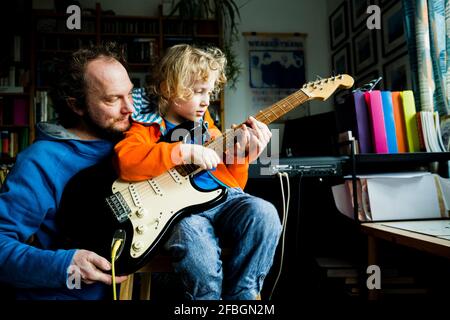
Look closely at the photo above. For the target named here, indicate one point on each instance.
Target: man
(94, 103)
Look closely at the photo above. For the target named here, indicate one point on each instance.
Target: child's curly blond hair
(183, 65)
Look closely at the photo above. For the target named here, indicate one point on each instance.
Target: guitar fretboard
(266, 116)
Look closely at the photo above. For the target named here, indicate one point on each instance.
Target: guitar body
(95, 209)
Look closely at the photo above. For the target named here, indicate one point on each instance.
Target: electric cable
(285, 213)
(114, 250)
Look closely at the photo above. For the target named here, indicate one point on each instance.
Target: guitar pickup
(155, 186)
(135, 195)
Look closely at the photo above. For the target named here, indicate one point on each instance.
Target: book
(17, 53)
(429, 132)
(420, 129)
(409, 111)
(399, 119)
(376, 120)
(20, 112)
(389, 121)
(437, 123)
(362, 123)
(11, 89)
(5, 142)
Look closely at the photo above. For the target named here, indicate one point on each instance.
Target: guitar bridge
(118, 206)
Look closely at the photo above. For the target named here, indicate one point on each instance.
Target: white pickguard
(154, 202)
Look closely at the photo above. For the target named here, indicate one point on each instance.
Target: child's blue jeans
(249, 225)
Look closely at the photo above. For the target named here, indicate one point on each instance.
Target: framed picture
(364, 50)
(276, 68)
(397, 73)
(338, 25)
(358, 12)
(392, 29)
(341, 61)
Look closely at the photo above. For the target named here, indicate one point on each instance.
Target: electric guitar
(93, 214)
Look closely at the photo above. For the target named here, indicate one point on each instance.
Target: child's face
(194, 108)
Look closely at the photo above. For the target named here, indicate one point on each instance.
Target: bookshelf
(394, 162)
(15, 88)
(36, 37)
(143, 39)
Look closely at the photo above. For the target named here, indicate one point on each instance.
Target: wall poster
(276, 66)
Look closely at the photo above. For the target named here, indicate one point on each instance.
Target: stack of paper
(395, 196)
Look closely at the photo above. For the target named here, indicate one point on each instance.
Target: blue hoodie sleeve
(27, 197)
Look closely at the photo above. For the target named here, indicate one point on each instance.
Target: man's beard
(109, 133)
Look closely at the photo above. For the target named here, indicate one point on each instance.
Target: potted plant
(226, 12)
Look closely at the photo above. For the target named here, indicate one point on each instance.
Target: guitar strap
(188, 132)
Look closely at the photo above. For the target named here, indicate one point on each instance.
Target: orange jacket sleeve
(140, 157)
(239, 171)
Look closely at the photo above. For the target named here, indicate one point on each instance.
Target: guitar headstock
(323, 88)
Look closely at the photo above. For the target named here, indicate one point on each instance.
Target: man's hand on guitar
(92, 267)
(201, 156)
(252, 139)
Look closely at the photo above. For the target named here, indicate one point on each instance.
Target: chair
(160, 263)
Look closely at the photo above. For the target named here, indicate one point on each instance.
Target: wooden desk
(428, 243)
(423, 242)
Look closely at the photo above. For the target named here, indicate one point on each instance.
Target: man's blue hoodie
(28, 204)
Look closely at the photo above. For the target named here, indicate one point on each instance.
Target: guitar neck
(319, 89)
(279, 109)
(266, 116)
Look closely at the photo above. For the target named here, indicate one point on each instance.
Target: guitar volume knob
(140, 229)
(137, 246)
(141, 212)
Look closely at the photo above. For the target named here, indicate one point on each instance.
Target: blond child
(185, 79)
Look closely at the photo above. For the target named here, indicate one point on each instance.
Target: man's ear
(72, 103)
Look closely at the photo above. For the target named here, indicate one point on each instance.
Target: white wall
(302, 16)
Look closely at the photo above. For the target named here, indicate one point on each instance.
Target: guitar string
(290, 102)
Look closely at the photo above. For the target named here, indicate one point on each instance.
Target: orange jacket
(140, 157)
